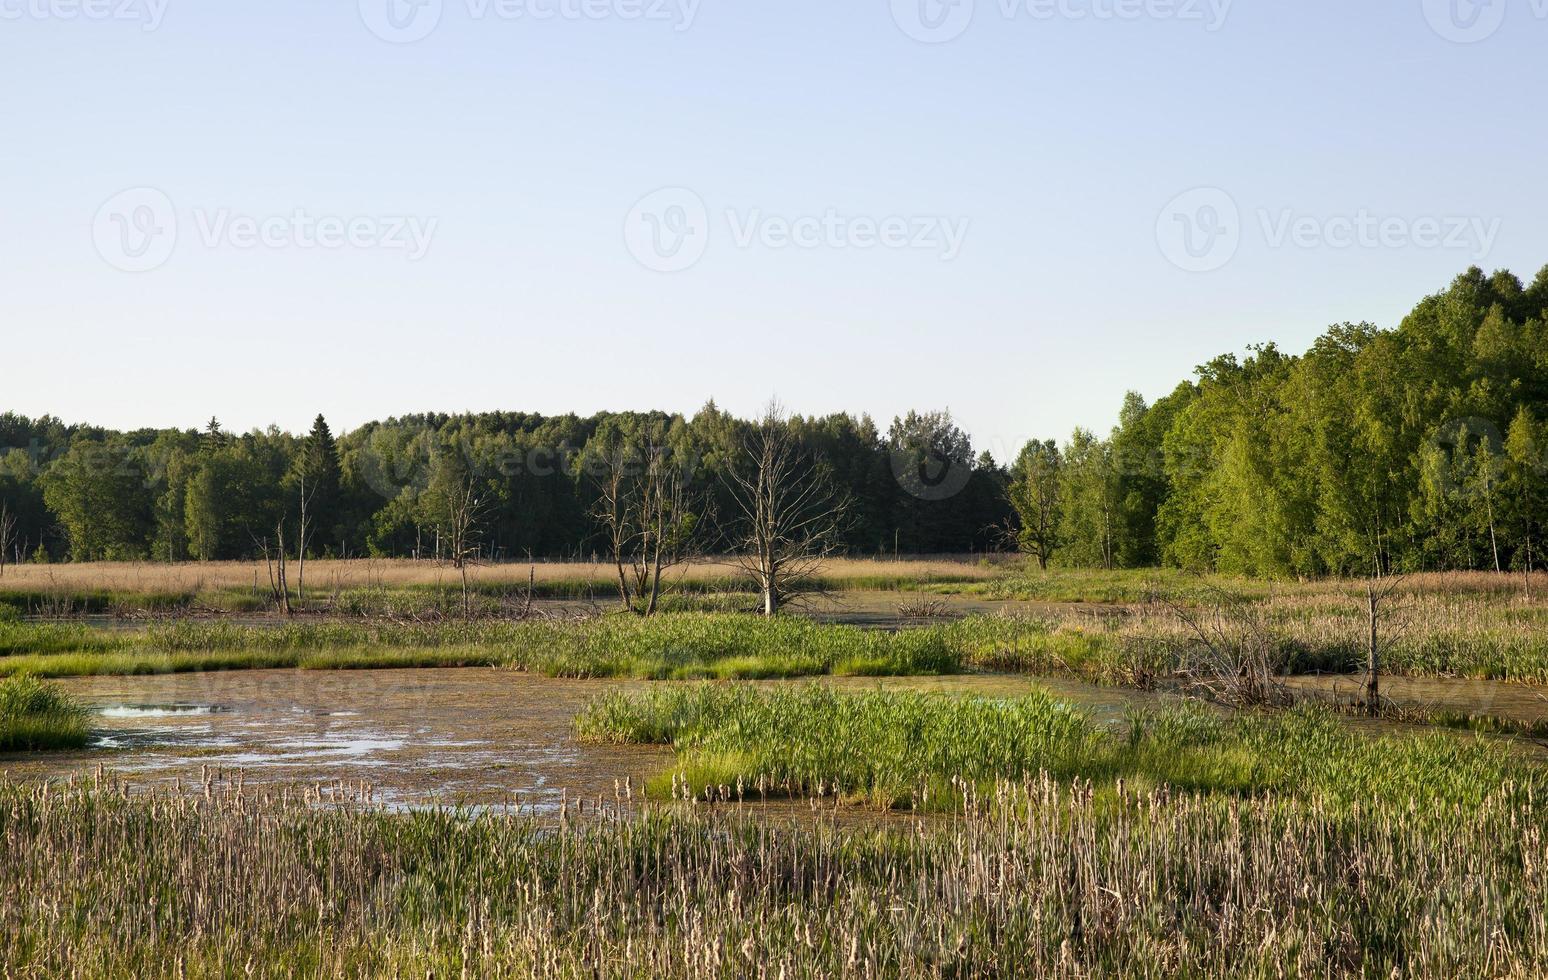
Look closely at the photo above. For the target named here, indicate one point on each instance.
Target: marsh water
(479, 735)
(453, 735)
(474, 735)
(487, 736)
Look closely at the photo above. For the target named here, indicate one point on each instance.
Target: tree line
(1376, 451)
(492, 486)
(1422, 447)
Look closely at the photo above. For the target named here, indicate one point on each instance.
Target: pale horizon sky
(368, 208)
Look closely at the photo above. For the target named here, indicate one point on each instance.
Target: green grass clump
(78, 602)
(889, 747)
(1087, 651)
(37, 717)
(185, 662)
(703, 646)
(667, 647)
(31, 638)
(194, 645)
(200, 635)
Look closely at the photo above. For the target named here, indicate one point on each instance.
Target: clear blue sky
(1059, 136)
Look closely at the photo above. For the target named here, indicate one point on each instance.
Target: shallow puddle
(474, 736)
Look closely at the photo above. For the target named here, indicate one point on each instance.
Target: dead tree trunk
(1494, 541)
(466, 509)
(1526, 569)
(653, 518)
(279, 585)
(7, 533)
(1372, 653)
(1377, 606)
(302, 541)
(793, 516)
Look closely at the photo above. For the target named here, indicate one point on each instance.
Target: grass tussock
(694, 646)
(678, 646)
(35, 717)
(893, 748)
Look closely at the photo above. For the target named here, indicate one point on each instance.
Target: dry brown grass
(196, 577)
(1048, 881)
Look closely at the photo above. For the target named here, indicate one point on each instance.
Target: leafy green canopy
(1424, 447)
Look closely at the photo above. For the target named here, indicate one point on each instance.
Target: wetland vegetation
(37, 717)
(875, 776)
(1350, 858)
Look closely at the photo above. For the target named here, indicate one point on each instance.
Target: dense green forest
(1423, 447)
(1417, 448)
(387, 488)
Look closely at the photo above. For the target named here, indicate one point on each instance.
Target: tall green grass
(1082, 648)
(1136, 647)
(891, 747)
(34, 638)
(690, 646)
(80, 602)
(194, 645)
(678, 646)
(187, 662)
(36, 717)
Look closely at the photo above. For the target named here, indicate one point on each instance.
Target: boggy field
(380, 586)
(1017, 774)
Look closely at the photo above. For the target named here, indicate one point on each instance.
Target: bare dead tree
(7, 533)
(464, 513)
(613, 511)
(792, 514)
(675, 516)
(1526, 570)
(652, 516)
(274, 562)
(303, 538)
(1378, 608)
